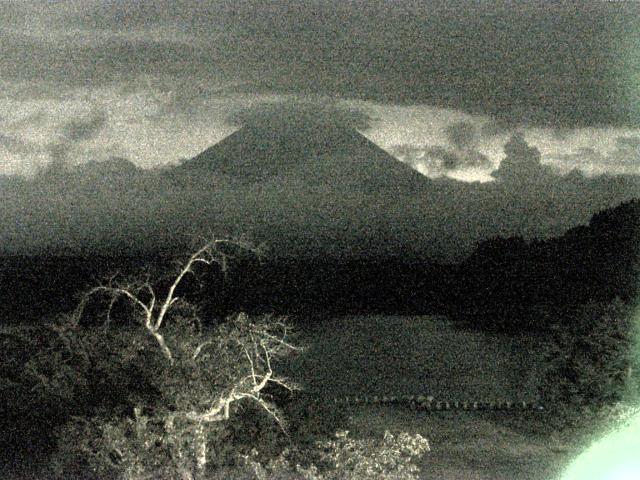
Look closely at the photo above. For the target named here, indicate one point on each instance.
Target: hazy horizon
(318, 190)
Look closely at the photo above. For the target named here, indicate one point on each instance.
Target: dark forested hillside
(503, 276)
(594, 263)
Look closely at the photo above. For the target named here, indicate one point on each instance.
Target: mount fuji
(314, 185)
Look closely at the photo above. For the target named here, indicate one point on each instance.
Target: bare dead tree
(259, 347)
(245, 347)
(154, 310)
(260, 343)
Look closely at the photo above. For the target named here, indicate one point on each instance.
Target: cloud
(73, 132)
(83, 129)
(435, 160)
(475, 159)
(623, 159)
(584, 159)
(521, 164)
(299, 112)
(626, 153)
(428, 160)
(146, 120)
(18, 146)
(495, 127)
(462, 135)
(447, 159)
(408, 53)
(58, 152)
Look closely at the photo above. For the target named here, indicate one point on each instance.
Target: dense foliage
(590, 361)
(160, 394)
(393, 457)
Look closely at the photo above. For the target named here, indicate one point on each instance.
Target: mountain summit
(317, 153)
(313, 185)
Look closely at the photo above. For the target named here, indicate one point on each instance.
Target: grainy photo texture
(319, 239)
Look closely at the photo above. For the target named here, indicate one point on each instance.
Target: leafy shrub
(143, 446)
(202, 408)
(310, 419)
(43, 380)
(342, 458)
(155, 395)
(80, 452)
(588, 359)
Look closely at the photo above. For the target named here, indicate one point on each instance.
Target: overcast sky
(154, 81)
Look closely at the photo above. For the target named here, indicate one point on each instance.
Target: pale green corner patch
(616, 456)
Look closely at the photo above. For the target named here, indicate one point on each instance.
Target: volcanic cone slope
(313, 154)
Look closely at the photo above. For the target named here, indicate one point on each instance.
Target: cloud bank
(564, 64)
(318, 113)
(461, 152)
(623, 158)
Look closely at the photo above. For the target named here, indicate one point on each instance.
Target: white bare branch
(278, 340)
(253, 371)
(170, 298)
(199, 349)
(265, 406)
(153, 319)
(286, 383)
(257, 347)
